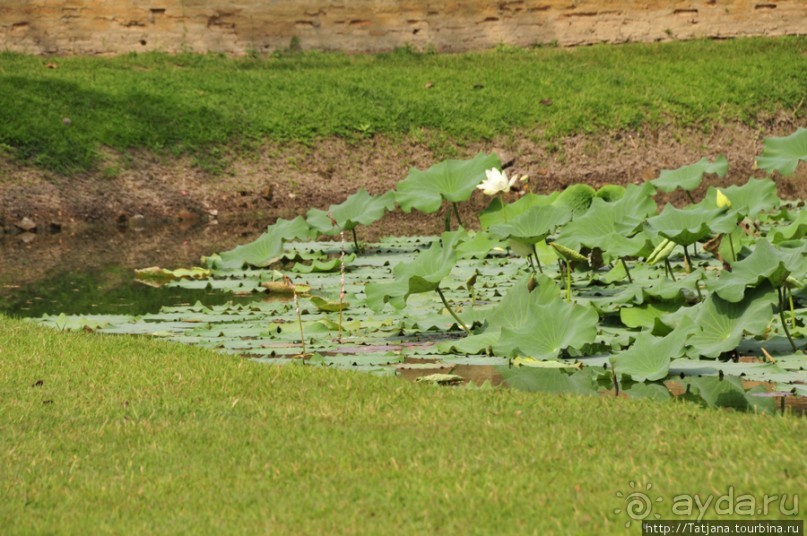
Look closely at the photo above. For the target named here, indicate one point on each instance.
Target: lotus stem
(297, 309)
(689, 195)
(782, 317)
(687, 261)
(457, 214)
(342, 282)
(355, 240)
(535, 254)
(792, 308)
(669, 268)
(568, 281)
(447, 221)
(532, 264)
(451, 311)
(616, 382)
(731, 245)
(501, 202)
(627, 271)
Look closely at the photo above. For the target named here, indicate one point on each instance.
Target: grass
(128, 435)
(210, 105)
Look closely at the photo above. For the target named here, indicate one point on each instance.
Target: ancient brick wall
(241, 26)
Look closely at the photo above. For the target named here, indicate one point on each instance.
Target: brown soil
(285, 180)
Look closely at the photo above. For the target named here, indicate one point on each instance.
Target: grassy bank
(59, 112)
(127, 435)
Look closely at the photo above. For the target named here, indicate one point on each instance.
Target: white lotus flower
(496, 182)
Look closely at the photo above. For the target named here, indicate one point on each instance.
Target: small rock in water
(138, 220)
(26, 224)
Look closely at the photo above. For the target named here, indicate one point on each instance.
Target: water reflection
(92, 271)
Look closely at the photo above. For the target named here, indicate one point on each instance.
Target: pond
(91, 276)
(91, 271)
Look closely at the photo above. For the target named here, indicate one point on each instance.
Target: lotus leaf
(453, 180)
(264, 250)
(649, 357)
(784, 154)
(721, 324)
(549, 380)
(726, 392)
(576, 198)
(689, 177)
(687, 226)
(772, 263)
(755, 196)
(533, 225)
(497, 212)
(424, 274)
(358, 209)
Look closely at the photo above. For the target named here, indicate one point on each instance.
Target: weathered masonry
(242, 26)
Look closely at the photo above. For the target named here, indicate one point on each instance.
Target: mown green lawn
(127, 435)
(210, 105)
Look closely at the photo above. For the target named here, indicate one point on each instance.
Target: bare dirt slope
(285, 180)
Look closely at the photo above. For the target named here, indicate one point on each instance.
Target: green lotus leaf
(721, 324)
(547, 380)
(453, 180)
(478, 246)
(551, 328)
(772, 263)
(784, 154)
(513, 311)
(533, 225)
(156, 277)
(687, 226)
(498, 212)
(328, 306)
(649, 358)
(265, 249)
(423, 274)
(644, 316)
(611, 192)
(650, 391)
(755, 196)
(608, 227)
(358, 209)
(576, 198)
(795, 231)
(726, 392)
(317, 266)
(689, 177)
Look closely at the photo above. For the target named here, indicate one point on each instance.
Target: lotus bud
(722, 200)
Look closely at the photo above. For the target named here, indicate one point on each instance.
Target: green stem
(689, 195)
(568, 281)
(668, 266)
(782, 317)
(535, 254)
(501, 202)
(355, 240)
(627, 271)
(451, 311)
(447, 220)
(792, 308)
(731, 245)
(457, 214)
(687, 261)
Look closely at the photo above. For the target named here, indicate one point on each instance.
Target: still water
(92, 271)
